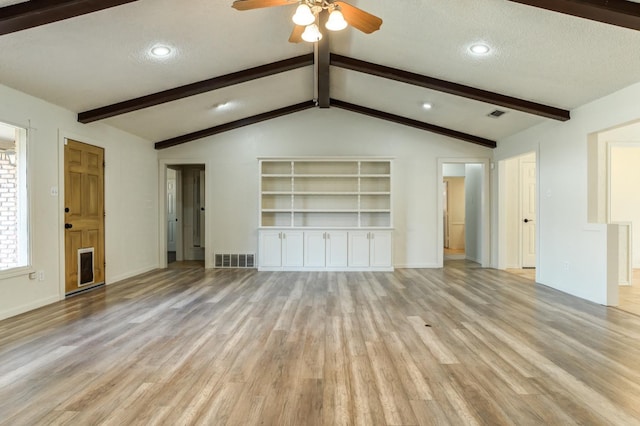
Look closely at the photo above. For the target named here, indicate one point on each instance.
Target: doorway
(83, 216)
(184, 216)
(518, 209)
(464, 221)
(454, 211)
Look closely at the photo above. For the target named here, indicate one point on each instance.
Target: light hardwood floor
(459, 345)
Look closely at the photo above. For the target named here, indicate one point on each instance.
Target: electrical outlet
(565, 266)
(40, 275)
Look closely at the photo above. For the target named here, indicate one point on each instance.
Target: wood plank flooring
(453, 346)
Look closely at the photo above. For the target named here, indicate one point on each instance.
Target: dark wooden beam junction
(615, 12)
(449, 87)
(414, 123)
(33, 13)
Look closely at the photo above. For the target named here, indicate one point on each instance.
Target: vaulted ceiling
(230, 68)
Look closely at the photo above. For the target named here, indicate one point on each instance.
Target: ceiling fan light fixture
(336, 21)
(311, 34)
(303, 15)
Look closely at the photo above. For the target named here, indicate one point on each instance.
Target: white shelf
(324, 193)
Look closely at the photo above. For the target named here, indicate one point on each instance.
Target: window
(14, 214)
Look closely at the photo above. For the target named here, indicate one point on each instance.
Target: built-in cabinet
(335, 212)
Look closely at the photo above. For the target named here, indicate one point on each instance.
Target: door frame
(58, 191)
(485, 256)
(162, 201)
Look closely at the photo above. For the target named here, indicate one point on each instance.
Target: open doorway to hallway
(464, 222)
(185, 214)
(453, 176)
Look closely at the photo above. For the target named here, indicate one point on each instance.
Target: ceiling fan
(306, 17)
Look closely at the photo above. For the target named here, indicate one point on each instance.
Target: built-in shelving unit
(325, 214)
(335, 193)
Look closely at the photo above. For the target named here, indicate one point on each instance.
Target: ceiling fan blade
(296, 34)
(257, 4)
(359, 19)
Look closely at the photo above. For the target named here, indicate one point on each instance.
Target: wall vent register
(234, 260)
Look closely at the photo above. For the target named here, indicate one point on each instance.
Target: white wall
(473, 211)
(130, 199)
(570, 250)
(625, 197)
(453, 170)
(232, 174)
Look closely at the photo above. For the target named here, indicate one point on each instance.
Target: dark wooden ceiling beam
(33, 13)
(234, 125)
(449, 87)
(615, 12)
(323, 56)
(195, 88)
(414, 123)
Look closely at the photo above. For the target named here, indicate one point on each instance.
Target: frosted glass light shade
(303, 16)
(311, 34)
(336, 21)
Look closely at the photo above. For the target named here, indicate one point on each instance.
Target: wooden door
(84, 214)
(455, 213)
(528, 198)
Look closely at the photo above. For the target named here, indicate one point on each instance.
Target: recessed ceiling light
(160, 51)
(221, 105)
(427, 105)
(479, 49)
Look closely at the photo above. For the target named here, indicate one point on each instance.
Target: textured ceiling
(101, 58)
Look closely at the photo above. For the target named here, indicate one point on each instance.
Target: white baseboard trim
(28, 307)
(418, 266)
(127, 275)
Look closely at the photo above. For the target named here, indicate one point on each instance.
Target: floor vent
(234, 261)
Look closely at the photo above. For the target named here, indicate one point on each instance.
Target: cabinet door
(380, 246)
(292, 248)
(314, 249)
(336, 249)
(359, 249)
(270, 251)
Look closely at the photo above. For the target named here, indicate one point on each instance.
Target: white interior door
(528, 208)
(171, 210)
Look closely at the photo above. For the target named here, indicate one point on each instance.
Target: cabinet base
(267, 269)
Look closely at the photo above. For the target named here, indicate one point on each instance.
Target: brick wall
(8, 213)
